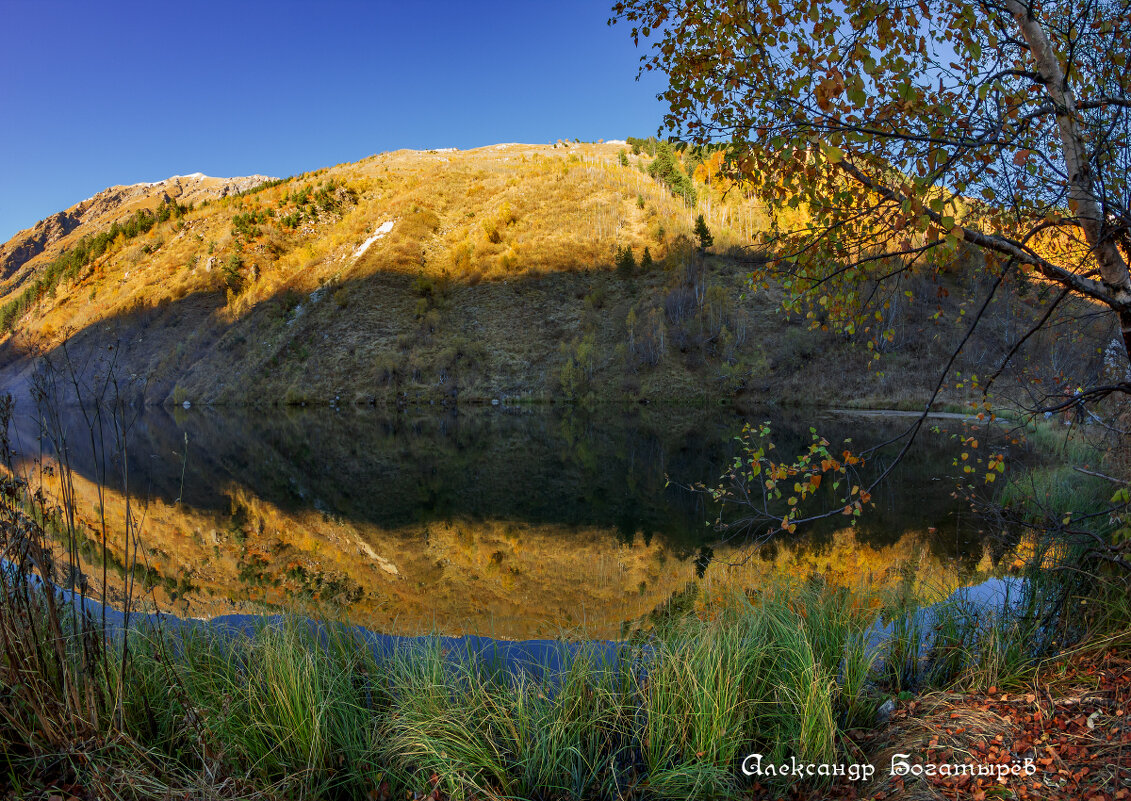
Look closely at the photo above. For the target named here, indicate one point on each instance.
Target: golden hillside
(499, 212)
(408, 274)
(441, 276)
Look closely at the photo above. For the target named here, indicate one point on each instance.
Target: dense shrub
(666, 169)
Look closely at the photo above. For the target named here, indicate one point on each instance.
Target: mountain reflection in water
(499, 521)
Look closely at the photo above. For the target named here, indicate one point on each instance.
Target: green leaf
(834, 154)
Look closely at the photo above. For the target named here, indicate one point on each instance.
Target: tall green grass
(290, 706)
(1069, 444)
(298, 709)
(1055, 490)
(302, 710)
(1055, 487)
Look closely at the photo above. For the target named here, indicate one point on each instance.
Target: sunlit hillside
(568, 271)
(500, 212)
(362, 264)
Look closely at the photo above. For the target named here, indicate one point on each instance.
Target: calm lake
(503, 521)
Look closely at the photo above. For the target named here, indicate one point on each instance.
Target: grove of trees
(912, 130)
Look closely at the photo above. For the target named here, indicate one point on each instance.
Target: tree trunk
(1081, 187)
(1125, 326)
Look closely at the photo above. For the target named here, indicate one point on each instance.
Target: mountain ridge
(51, 235)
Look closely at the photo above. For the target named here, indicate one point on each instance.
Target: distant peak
(192, 176)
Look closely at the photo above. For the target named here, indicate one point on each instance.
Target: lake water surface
(512, 522)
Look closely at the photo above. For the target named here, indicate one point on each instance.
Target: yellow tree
(911, 128)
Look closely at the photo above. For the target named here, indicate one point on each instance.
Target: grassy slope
(497, 272)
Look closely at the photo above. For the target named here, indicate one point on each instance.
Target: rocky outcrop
(51, 235)
(26, 245)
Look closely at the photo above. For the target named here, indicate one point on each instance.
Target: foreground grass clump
(299, 709)
(285, 707)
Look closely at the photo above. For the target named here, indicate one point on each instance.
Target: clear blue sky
(100, 93)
